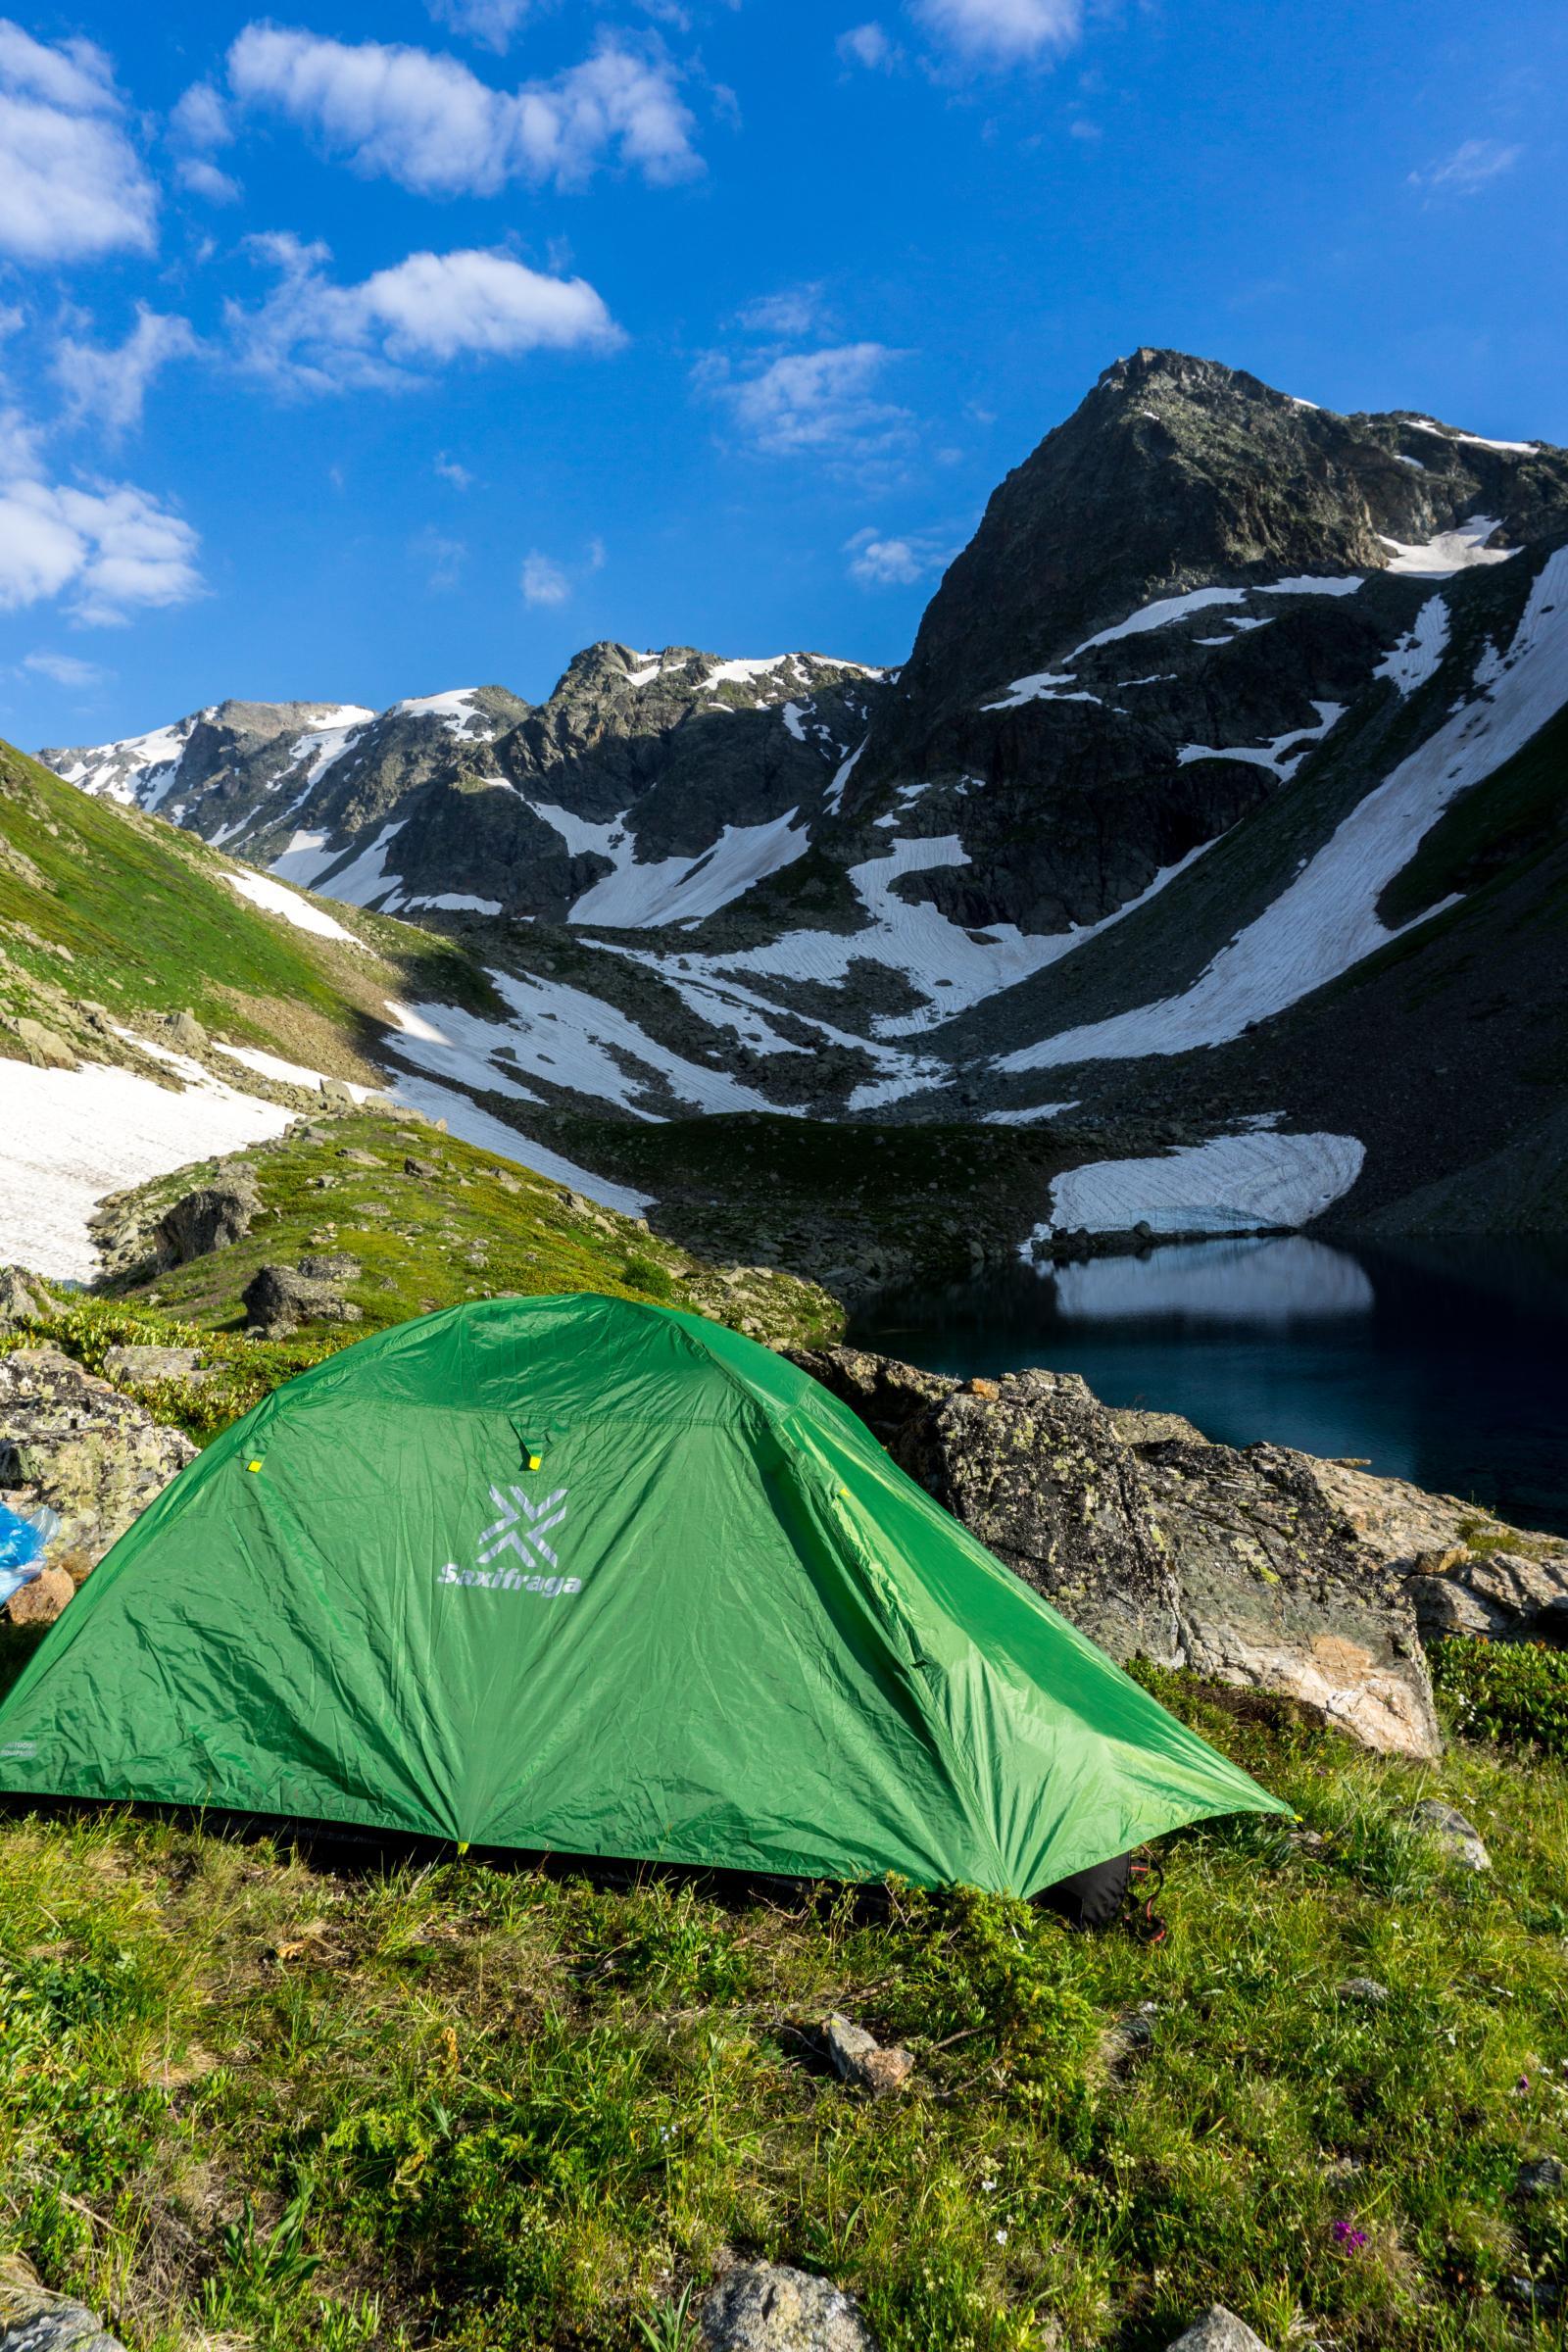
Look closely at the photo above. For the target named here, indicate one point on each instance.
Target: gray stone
(44, 1048)
(141, 1364)
(212, 1217)
(185, 1033)
(1364, 1993)
(337, 1096)
(767, 2307)
(278, 1299)
(860, 2060)
(1501, 1596)
(335, 1265)
(1459, 1838)
(426, 1168)
(1542, 2177)
(20, 1294)
(33, 2320)
(1230, 1562)
(1218, 2330)
(75, 1444)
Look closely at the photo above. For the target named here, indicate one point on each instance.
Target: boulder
(337, 1096)
(1468, 1573)
(278, 1298)
(33, 2320)
(1218, 2330)
(185, 1033)
(1364, 1993)
(141, 1364)
(44, 1048)
(75, 1443)
(20, 1294)
(210, 1218)
(767, 2307)
(1231, 1561)
(335, 1266)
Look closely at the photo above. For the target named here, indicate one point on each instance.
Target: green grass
(472, 1227)
(1515, 1693)
(289, 2102)
(101, 904)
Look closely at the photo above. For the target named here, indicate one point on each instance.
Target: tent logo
(521, 1527)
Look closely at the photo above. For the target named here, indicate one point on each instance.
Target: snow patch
(1231, 1184)
(298, 912)
(684, 889)
(1450, 552)
(1447, 432)
(1276, 756)
(1416, 657)
(69, 1136)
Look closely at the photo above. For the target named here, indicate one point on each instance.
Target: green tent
(579, 1575)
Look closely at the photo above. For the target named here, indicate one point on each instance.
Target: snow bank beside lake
(1231, 1184)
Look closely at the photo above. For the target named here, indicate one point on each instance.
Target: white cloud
(204, 179)
(490, 22)
(70, 183)
(796, 311)
(310, 335)
(813, 404)
(114, 546)
(434, 126)
(108, 386)
(868, 45)
(1002, 32)
(200, 119)
(1468, 169)
(878, 561)
(66, 669)
(451, 472)
(543, 582)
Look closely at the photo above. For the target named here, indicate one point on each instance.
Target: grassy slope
(100, 905)
(473, 1227)
(287, 2101)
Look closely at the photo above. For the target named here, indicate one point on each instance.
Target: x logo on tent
(509, 1530)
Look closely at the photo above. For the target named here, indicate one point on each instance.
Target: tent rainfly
(599, 1579)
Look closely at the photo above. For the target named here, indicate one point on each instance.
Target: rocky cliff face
(1231, 707)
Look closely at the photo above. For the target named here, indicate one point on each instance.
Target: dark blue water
(1441, 1362)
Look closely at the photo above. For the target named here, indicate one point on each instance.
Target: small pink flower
(1347, 2234)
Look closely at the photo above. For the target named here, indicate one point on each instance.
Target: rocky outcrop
(768, 2307)
(207, 1219)
(71, 1443)
(22, 1295)
(1467, 1572)
(278, 1299)
(1233, 1562)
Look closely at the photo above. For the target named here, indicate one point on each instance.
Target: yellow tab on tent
(253, 1466)
(533, 1461)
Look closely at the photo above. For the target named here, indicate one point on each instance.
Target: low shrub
(1514, 1693)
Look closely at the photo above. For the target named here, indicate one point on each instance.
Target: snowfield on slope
(1325, 921)
(69, 1136)
(1231, 1184)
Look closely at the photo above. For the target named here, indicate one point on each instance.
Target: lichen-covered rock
(278, 1298)
(73, 1443)
(1157, 1543)
(1467, 1572)
(207, 1219)
(767, 2307)
(34, 2319)
(184, 1032)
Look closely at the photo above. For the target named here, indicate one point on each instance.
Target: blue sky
(363, 352)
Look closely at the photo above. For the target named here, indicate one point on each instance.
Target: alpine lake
(1438, 1361)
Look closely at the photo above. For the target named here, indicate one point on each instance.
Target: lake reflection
(1441, 1362)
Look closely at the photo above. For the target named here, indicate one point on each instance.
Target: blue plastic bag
(21, 1550)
